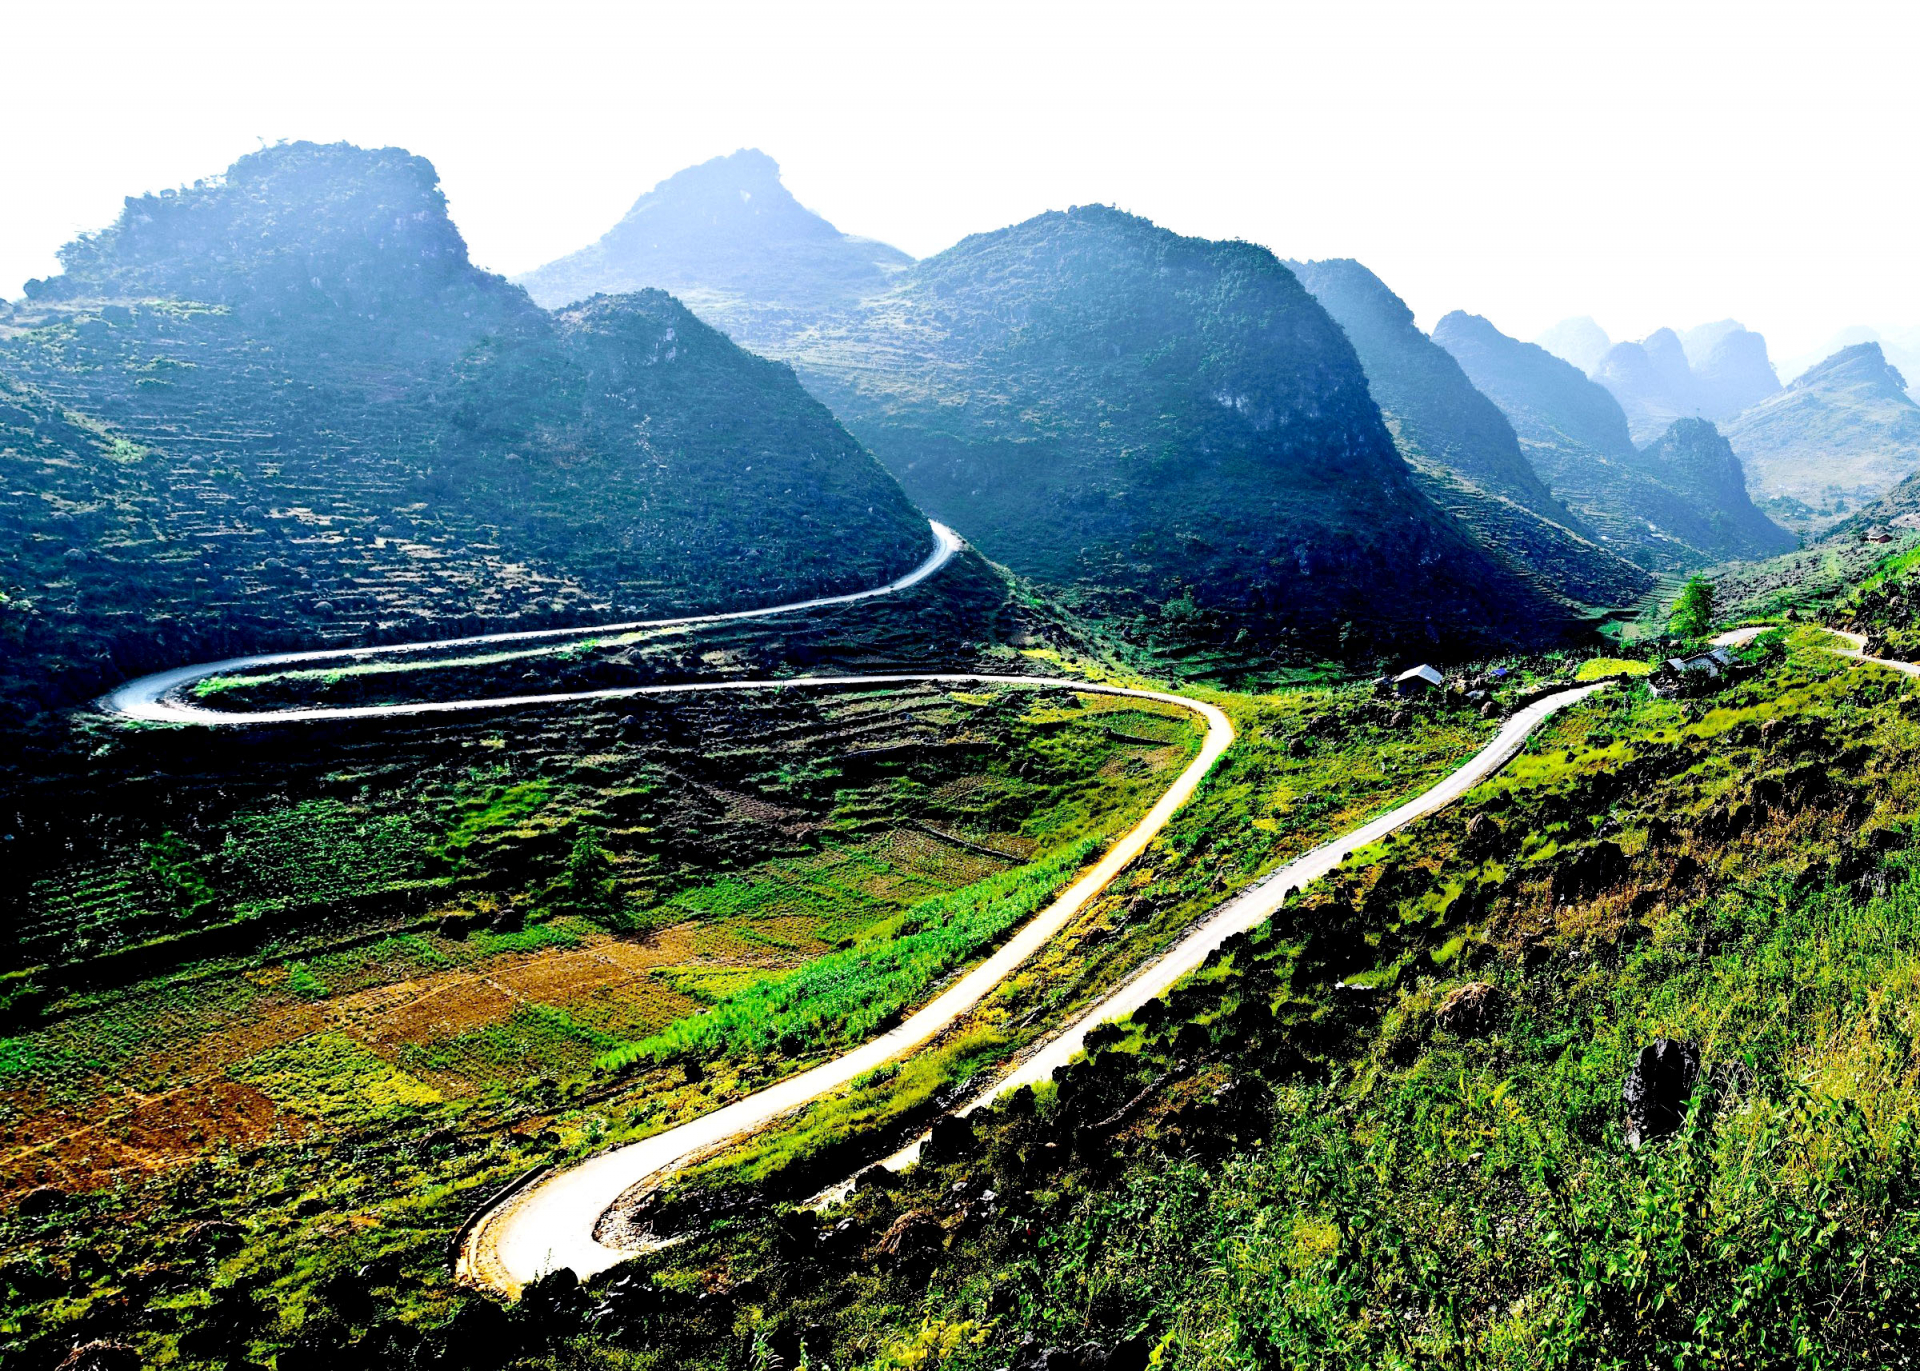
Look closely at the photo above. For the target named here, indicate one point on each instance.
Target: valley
(1097, 799)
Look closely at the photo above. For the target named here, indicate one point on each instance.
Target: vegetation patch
(332, 1078)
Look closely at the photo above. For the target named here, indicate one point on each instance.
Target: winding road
(161, 697)
(555, 1222)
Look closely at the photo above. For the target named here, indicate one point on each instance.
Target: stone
(1471, 1009)
(1658, 1088)
(41, 1200)
(916, 1234)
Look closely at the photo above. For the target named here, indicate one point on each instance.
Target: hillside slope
(1577, 437)
(1159, 420)
(731, 241)
(1460, 446)
(1844, 433)
(281, 408)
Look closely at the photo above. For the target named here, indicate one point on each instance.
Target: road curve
(1858, 652)
(552, 1224)
(1247, 910)
(159, 698)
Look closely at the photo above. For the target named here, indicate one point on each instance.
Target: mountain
(1900, 346)
(1717, 371)
(1579, 341)
(1844, 433)
(1664, 514)
(1731, 370)
(731, 241)
(1693, 459)
(1651, 381)
(1460, 446)
(282, 408)
(1157, 420)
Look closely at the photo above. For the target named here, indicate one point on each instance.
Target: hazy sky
(1648, 165)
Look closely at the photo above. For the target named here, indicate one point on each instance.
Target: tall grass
(844, 997)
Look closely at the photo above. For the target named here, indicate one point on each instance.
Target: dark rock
(1471, 1009)
(1483, 834)
(950, 1139)
(913, 1237)
(1658, 1088)
(875, 1179)
(41, 1200)
(1595, 869)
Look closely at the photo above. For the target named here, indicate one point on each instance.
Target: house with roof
(1418, 680)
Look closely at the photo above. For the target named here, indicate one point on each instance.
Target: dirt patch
(122, 1136)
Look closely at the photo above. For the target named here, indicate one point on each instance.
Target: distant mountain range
(1110, 406)
(1716, 372)
(1901, 347)
(1669, 507)
(1148, 419)
(1843, 434)
(282, 408)
(1461, 447)
(729, 240)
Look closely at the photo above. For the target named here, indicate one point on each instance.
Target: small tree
(589, 887)
(1693, 612)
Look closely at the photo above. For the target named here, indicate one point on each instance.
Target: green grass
(1604, 668)
(332, 1078)
(843, 998)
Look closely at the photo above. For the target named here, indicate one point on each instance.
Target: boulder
(950, 1139)
(41, 1200)
(914, 1236)
(1658, 1088)
(1471, 1009)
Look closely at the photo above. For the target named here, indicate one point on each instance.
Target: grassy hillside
(282, 409)
(1461, 448)
(1388, 1128)
(298, 998)
(1844, 433)
(1107, 406)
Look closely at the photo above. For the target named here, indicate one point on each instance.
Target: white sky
(1646, 164)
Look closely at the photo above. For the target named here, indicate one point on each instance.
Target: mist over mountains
(1674, 505)
(1715, 372)
(1460, 446)
(1067, 394)
(730, 241)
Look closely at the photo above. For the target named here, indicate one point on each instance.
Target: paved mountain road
(162, 697)
(554, 1223)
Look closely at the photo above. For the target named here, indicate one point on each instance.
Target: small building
(1877, 534)
(1673, 672)
(1417, 680)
